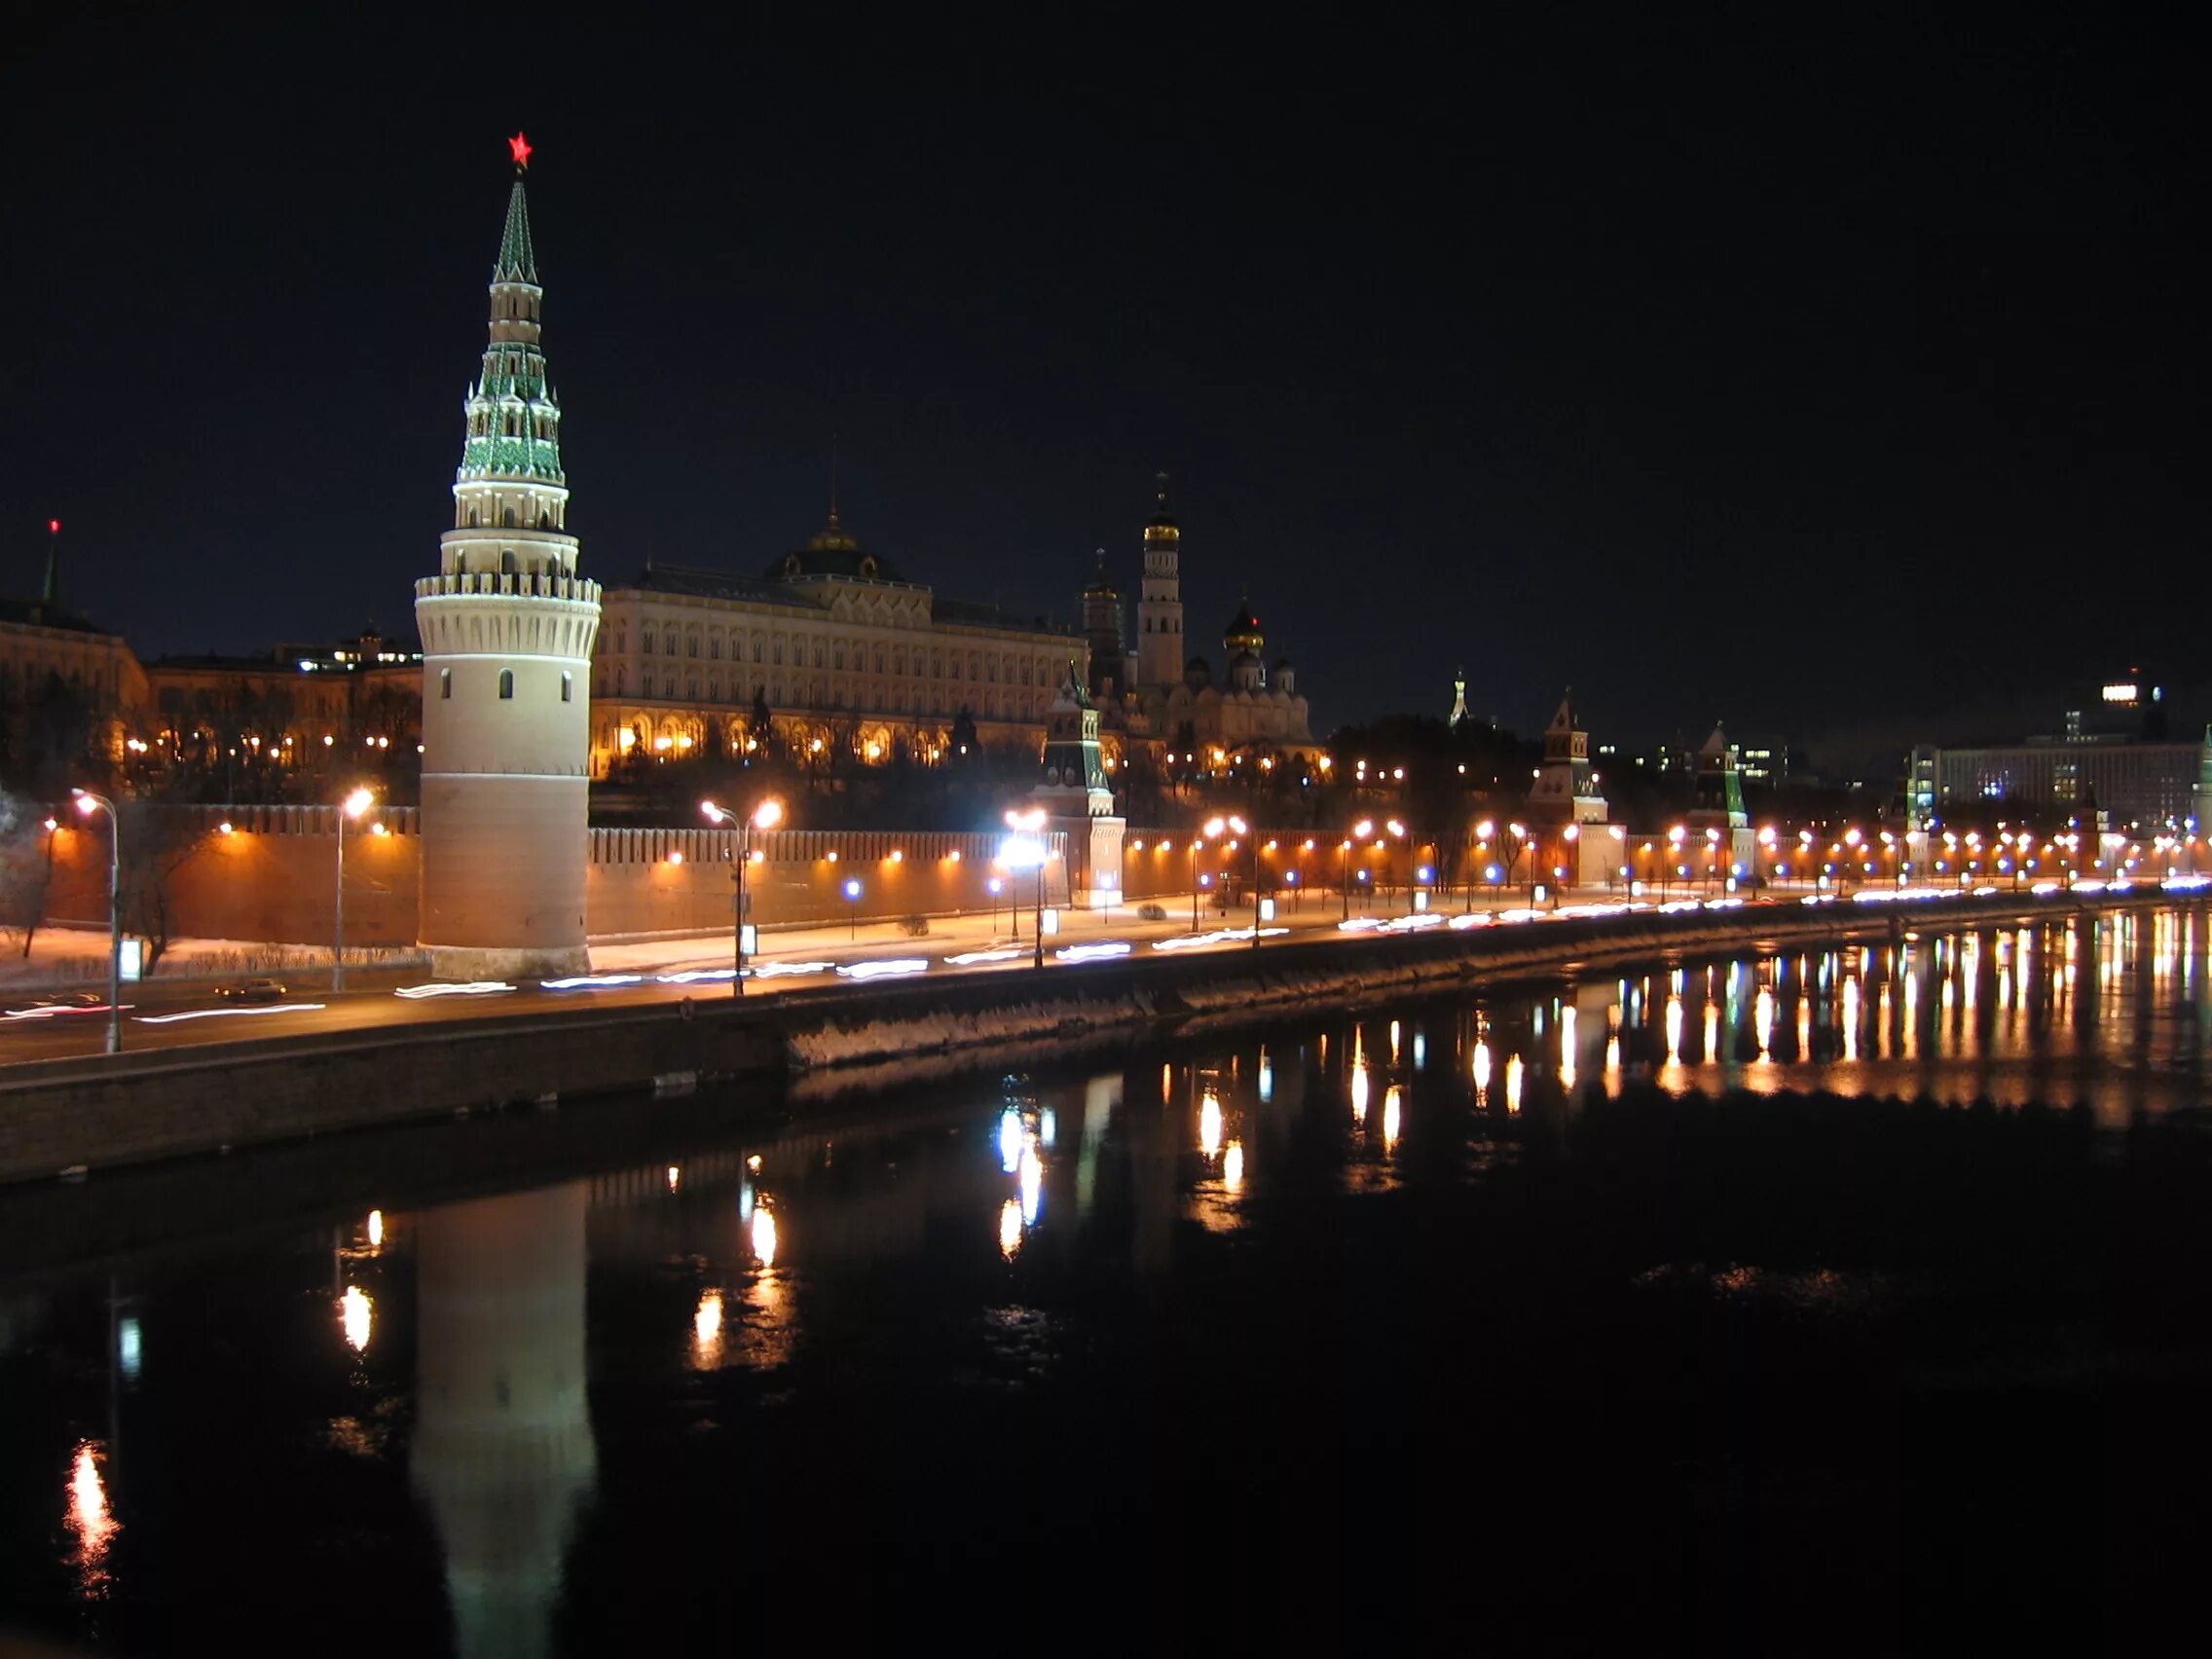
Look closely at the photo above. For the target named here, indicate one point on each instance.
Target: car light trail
(458, 988)
(1097, 952)
(892, 968)
(590, 982)
(220, 1012)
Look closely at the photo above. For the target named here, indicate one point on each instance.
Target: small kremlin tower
(508, 627)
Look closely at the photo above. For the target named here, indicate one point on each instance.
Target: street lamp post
(89, 803)
(1358, 832)
(1221, 826)
(766, 816)
(356, 804)
(1026, 847)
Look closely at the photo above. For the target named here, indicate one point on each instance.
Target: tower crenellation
(507, 628)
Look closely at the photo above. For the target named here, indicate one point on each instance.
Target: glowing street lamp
(89, 803)
(766, 816)
(1025, 850)
(355, 805)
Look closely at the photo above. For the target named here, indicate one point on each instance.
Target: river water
(1846, 1299)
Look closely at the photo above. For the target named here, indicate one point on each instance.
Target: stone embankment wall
(57, 1115)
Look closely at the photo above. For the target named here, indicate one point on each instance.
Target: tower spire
(50, 594)
(518, 261)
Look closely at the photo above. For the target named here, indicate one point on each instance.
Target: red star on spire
(521, 148)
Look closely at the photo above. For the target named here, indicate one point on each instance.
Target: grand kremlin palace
(840, 645)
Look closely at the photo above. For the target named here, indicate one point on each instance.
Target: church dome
(1243, 631)
(1162, 518)
(832, 552)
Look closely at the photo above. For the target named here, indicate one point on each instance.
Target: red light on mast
(520, 147)
(53, 527)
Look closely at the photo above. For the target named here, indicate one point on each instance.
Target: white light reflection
(1358, 1090)
(1032, 1179)
(1567, 1047)
(1011, 1140)
(1513, 1083)
(1210, 1125)
(129, 1348)
(1232, 1165)
(376, 1230)
(1851, 1019)
(1392, 1116)
(1480, 1068)
(1762, 1021)
(1009, 1229)
(765, 1236)
(1675, 1028)
(1047, 1126)
(356, 1313)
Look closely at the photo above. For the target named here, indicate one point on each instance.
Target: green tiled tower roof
(518, 261)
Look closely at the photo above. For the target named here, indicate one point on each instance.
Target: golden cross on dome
(520, 146)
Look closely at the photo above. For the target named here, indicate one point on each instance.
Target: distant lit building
(2131, 783)
(42, 646)
(295, 697)
(2112, 755)
(1762, 762)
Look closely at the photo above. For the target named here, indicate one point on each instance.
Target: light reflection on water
(469, 1320)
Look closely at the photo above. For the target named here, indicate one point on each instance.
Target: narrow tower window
(445, 684)
(507, 684)
(567, 686)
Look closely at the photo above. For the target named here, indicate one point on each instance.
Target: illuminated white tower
(508, 627)
(1160, 602)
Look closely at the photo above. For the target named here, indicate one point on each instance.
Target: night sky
(1842, 385)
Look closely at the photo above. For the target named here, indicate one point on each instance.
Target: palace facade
(836, 643)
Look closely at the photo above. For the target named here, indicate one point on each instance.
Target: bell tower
(508, 627)
(1160, 602)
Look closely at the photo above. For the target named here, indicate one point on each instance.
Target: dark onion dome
(1198, 663)
(832, 553)
(1283, 665)
(1162, 518)
(1243, 631)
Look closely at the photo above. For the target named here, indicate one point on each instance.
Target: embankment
(95, 1113)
